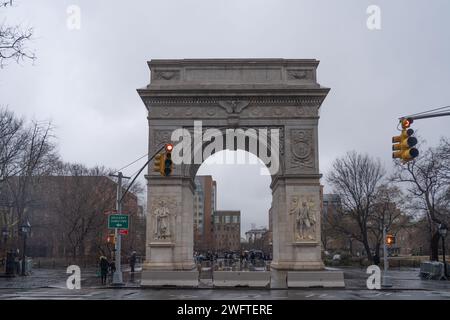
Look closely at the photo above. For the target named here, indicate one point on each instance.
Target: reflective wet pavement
(51, 284)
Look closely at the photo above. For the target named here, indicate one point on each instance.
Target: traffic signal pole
(117, 276)
(427, 116)
(386, 279)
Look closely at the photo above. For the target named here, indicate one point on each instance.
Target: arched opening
(232, 200)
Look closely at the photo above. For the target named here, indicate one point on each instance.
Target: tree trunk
(434, 247)
(377, 254)
(74, 253)
(367, 248)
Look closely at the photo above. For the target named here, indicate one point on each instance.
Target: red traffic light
(169, 147)
(406, 122)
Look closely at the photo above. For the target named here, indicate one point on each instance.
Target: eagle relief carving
(304, 211)
(234, 106)
(302, 149)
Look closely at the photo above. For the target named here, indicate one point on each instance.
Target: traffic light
(111, 239)
(158, 165)
(403, 145)
(168, 163)
(390, 239)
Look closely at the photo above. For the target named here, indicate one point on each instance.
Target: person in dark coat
(133, 261)
(104, 266)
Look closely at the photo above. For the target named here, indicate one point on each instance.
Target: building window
(227, 219)
(235, 219)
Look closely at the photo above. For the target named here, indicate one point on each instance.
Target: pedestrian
(17, 263)
(112, 268)
(104, 265)
(133, 261)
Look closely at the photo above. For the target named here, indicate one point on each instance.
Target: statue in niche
(305, 218)
(162, 216)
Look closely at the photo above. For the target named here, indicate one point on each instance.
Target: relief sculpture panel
(163, 215)
(304, 211)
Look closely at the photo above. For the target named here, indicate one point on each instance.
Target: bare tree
(386, 213)
(34, 160)
(80, 203)
(13, 139)
(27, 151)
(13, 40)
(427, 181)
(80, 200)
(356, 178)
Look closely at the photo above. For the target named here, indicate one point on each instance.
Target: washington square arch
(266, 95)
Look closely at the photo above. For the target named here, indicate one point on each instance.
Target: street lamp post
(5, 239)
(25, 229)
(443, 232)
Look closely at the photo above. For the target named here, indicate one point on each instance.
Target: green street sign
(118, 221)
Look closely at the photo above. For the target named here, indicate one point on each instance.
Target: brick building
(227, 231)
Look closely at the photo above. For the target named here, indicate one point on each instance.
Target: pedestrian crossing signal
(111, 239)
(390, 239)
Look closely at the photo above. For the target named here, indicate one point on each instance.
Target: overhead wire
(131, 163)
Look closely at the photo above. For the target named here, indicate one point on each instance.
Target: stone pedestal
(296, 227)
(170, 238)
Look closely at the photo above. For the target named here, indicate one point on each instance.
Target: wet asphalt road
(218, 294)
(50, 284)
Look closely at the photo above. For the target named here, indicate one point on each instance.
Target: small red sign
(123, 232)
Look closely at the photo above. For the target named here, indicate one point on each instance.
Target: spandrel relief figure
(305, 218)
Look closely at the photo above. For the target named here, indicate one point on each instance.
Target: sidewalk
(56, 278)
(403, 279)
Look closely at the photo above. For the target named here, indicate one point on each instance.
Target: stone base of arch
(172, 250)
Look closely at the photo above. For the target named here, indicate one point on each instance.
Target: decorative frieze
(297, 101)
(240, 109)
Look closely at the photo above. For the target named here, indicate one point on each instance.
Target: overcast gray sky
(85, 80)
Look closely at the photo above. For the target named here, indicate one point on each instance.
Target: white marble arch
(237, 93)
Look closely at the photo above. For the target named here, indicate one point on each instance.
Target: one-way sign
(118, 221)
